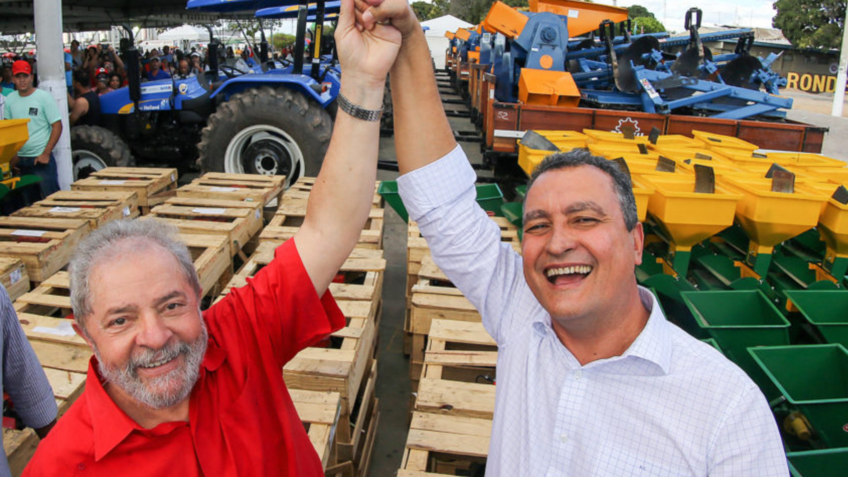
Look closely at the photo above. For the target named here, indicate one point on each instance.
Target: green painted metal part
(489, 196)
(713, 343)
(738, 320)
(513, 211)
(818, 463)
(814, 380)
(521, 191)
(825, 310)
(25, 181)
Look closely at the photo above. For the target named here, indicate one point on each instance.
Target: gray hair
(581, 157)
(109, 241)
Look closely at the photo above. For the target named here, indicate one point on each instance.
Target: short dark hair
(623, 186)
(81, 76)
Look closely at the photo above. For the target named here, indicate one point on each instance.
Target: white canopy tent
(185, 32)
(436, 36)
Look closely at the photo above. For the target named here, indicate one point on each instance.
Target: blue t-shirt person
(158, 76)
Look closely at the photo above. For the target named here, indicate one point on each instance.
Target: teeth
(581, 269)
(157, 363)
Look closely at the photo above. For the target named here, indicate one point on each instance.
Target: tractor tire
(266, 131)
(94, 148)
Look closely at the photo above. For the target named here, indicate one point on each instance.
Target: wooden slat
(454, 397)
(145, 182)
(14, 277)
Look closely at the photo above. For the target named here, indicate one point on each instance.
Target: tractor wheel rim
(265, 149)
(86, 162)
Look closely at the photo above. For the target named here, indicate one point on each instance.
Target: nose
(562, 240)
(154, 334)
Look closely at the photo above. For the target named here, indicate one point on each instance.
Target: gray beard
(156, 393)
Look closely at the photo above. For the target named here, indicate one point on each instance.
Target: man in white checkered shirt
(592, 379)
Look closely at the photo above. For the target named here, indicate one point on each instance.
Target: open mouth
(565, 275)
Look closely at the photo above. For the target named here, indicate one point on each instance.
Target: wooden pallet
(288, 219)
(14, 277)
(442, 444)
(19, 446)
(152, 185)
(44, 245)
(221, 186)
(320, 412)
(427, 306)
(96, 207)
(238, 221)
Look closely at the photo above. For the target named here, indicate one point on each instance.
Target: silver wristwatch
(358, 111)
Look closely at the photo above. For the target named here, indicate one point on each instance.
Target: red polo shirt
(241, 421)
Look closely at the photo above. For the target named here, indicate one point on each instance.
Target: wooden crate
(96, 207)
(341, 367)
(14, 277)
(288, 219)
(238, 221)
(221, 186)
(442, 444)
(211, 256)
(303, 186)
(360, 278)
(19, 446)
(357, 446)
(152, 185)
(320, 412)
(44, 245)
(460, 351)
(45, 316)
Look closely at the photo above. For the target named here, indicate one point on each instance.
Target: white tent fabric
(436, 40)
(185, 32)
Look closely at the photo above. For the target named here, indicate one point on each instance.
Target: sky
(743, 13)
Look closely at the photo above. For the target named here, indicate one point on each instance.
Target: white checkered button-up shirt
(669, 406)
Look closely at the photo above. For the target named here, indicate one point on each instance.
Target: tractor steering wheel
(231, 71)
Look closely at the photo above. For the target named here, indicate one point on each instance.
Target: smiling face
(145, 326)
(579, 257)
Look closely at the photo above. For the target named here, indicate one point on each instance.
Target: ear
(81, 334)
(638, 235)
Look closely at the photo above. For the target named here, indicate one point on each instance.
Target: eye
(173, 306)
(538, 227)
(118, 322)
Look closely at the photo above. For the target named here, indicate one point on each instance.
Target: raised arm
(422, 132)
(341, 199)
(437, 182)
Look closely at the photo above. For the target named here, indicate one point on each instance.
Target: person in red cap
(102, 81)
(45, 127)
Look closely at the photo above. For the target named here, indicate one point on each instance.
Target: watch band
(358, 111)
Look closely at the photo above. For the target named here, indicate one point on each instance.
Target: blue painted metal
(233, 6)
(290, 11)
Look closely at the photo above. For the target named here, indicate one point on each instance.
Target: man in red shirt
(171, 392)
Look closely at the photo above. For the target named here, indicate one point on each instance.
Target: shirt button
(577, 375)
(563, 438)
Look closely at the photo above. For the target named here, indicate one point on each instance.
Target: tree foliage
(474, 11)
(424, 11)
(647, 25)
(811, 23)
(638, 11)
(282, 40)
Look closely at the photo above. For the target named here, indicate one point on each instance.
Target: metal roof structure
(16, 16)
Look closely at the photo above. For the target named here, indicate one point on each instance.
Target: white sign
(29, 233)
(112, 182)
(62, 329)
(224, 189)
(16, 276)
(208, 211)
(65, 210)
(127, 211)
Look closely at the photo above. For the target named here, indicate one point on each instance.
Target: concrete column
(839, 94)
(51, 77)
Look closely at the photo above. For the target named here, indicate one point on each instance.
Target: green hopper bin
(489, 196)
(814, 380)
(818, 463)
(827, 310)
(738, 320)
(713, 343)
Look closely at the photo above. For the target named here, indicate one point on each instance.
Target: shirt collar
(653, 344)
(110, 424)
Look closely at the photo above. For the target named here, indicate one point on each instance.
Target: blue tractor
(276, 120)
